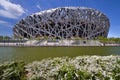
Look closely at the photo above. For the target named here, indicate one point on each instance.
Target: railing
(12, 41)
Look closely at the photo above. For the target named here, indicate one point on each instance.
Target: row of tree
(4, 37)
(111, 40)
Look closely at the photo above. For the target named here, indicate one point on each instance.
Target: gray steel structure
(65, 22)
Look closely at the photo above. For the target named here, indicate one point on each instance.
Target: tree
(1, 37)
(6, 37)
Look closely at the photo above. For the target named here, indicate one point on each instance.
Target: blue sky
(12, 11)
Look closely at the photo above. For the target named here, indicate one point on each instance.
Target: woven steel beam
(66, 22)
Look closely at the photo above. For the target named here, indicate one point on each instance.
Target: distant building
(65, 23)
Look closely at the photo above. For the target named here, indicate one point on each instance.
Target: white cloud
(3, 22)
(38, 6)
(10, 10)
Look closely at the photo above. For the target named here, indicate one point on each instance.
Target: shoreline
(31, 45)
(57, 43)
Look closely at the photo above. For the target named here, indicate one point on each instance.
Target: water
(29, 54)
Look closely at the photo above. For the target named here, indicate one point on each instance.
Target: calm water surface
(29, 54)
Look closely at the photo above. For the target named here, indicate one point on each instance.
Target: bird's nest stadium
(64, 23)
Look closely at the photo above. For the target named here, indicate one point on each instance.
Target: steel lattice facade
(66, 22)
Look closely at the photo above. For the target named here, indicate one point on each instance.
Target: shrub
(12, 71)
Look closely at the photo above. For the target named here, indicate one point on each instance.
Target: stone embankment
(57, 43)
(54, 43)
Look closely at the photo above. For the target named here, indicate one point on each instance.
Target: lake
(29, 54)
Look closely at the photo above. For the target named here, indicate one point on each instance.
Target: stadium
(64, 23)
